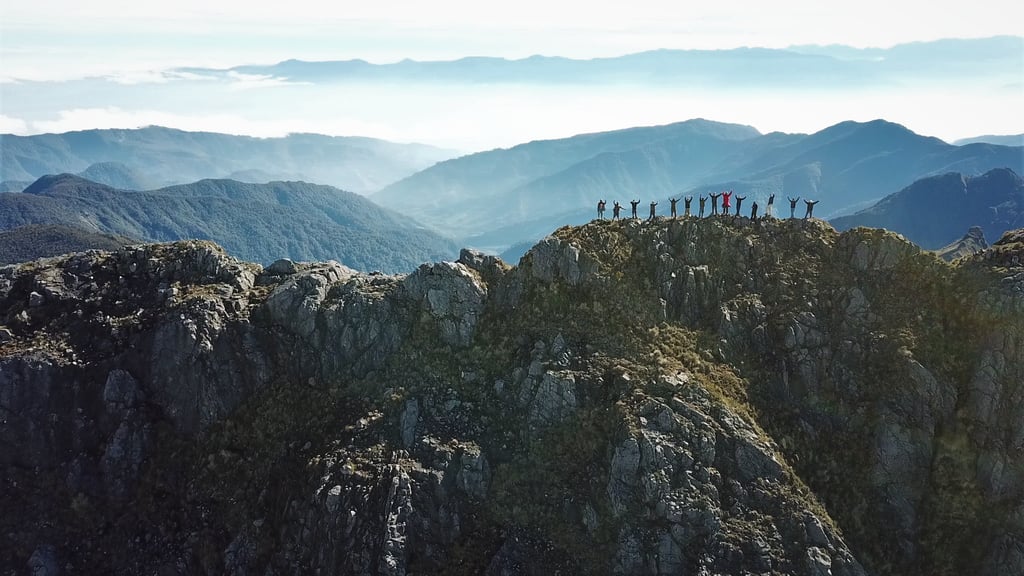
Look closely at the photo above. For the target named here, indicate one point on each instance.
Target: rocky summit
(681, 396)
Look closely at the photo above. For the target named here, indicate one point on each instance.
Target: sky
(47, 44)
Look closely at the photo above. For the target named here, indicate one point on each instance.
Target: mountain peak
(52, 184)
(634, 397)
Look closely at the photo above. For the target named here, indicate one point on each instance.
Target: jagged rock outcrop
(711, 396)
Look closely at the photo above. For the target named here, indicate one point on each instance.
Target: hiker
(714, 203)
(703, 200)
(792, 207)
(810, 208)
(769, 210)
(673, 202)
(726, 201)
(615, 210)
(633, 203)
(739, 202)
(753, 211)
(653, 204)
(688, 200)
(600, 209)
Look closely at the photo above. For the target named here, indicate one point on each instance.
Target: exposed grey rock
(553, 258)
(296, 303)
(553, 398)
(120, 393)
(453, 294)
(818, 562)
(409, 421)
(35, 299)
(474, 474)
(282, 267)
(622, 475)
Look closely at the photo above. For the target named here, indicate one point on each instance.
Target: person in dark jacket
(792, 207)
(753, 211)
(615, 210)
(673, 201)
(653, 204)
(687, 201)
(810, 208)
(634, 203)
(739, 203)
(769, 210)
(600, 209)
(703, 200)
(714, 203)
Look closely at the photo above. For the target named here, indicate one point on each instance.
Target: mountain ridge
(846, 165)
(173, 156)
(934, 211)
(739, 65)
(657, 398)
(261, 221)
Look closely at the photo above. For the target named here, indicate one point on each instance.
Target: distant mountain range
(35, 241)
(113, 174)
(502, 197)
(796, 65)
(1003, 140)
(935, 211)
(167, 156)
(258, 222)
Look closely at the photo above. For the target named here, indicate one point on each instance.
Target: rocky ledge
(683, 396)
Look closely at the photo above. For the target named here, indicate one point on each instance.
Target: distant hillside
(935, 211)
(259, 222)
(474, 193)
(495, 199)
(168, 156)
(1003, 140)
(117, 175)
(44, 240)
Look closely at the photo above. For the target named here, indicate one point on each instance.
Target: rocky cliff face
(706, 397)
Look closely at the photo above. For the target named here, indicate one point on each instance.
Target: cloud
(10, 125)
(240, 81)
(132, 77)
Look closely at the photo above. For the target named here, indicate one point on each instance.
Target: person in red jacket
(726, 201)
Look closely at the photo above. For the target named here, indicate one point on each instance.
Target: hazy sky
(45, 43)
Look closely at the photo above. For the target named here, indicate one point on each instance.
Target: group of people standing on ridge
(727, 204)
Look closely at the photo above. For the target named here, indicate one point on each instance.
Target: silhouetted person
(769, 210)
(633, 203)
(615, 210)
(600, 209)
(739, 202)
(714, 203)
(810, 208)
(687, 201)
(753, 210)
(653, 204)
(792, 207)
(726, 201)
(673, 201)
(703, 200)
